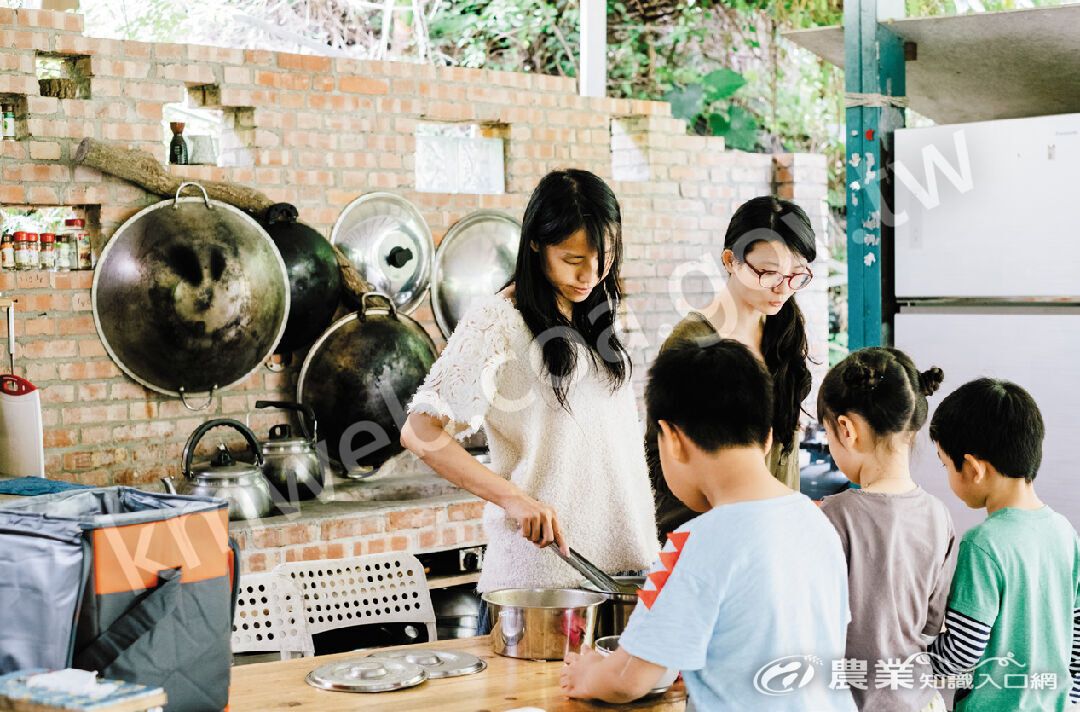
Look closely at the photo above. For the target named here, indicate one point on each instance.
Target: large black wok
(190, 296)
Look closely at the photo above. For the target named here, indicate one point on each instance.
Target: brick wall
(324, 132)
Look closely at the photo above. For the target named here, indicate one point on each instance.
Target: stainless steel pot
(615, 612)
(190, 296)
(610, 643)
(541, 623)
(291, 464)
(240, 484)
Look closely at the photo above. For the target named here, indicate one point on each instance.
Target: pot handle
(196, 435)
(205, 197)
(307, 415)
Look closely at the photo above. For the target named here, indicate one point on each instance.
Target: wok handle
(204, 406)
(364, 309)
(307, 414)
(196, 436)
(205, 197)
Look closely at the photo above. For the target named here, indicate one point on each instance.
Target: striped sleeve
(1074, 661)
(959, 648)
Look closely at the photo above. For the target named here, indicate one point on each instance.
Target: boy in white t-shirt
(749, 599)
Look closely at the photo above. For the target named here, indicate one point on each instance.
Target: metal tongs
(592, 573)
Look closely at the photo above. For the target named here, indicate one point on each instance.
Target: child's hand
(574, 677)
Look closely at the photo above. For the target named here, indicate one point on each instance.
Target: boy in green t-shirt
(1013, 616)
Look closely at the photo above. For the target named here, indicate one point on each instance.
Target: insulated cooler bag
(136, 585)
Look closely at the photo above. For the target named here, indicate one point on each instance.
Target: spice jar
(21, 249)
(33, 251)
(66, 258)
(47, 251)
(76, 227)
(7, 252)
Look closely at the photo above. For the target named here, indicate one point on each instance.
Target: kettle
(292, 465)
(240, 484)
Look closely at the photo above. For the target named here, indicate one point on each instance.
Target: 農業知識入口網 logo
(784, 676)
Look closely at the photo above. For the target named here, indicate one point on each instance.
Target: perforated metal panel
(378, 588)
(270, 617)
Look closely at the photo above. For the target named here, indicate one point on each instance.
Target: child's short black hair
(993, 420)
(714, 390)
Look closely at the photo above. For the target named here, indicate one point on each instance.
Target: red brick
(15, 194)
(362, 85)
(91, 370)
(40, 327)
(34, 279)
(60, 438)
(375, 546)
(305, 62)
(93, 392)
(449, 537)
(89, 459)
(399, 543)
(53, 348)
(72, 280)
(352, 527)
(428, 539)
(143, 431)
(40, 372)
(42, 195)
(463, 512)
(58, 394)
(283, 80)
(278, 537)
(410, 519)
(76, 325)
(94, 414)
(91, 348)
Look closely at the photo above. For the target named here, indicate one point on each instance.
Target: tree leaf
(685, 102)
(722, 83)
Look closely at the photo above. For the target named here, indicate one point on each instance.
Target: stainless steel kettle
(292, 465)
(241, 484)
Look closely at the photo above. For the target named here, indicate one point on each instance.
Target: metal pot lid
(190, 295)
(366, 675)
(278, 446)
(389, 243)
(437, 663)
(474, 259)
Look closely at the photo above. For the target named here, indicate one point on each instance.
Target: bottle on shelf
(21, 247)
(47, 252)
(7, 252)
(66, 257)
(33, 251)
(8, 112)
(178, 149)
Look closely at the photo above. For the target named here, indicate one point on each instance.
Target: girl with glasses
(768, 248)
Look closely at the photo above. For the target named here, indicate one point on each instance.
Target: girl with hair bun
(898, 539)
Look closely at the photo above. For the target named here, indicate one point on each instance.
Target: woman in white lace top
(540, 368)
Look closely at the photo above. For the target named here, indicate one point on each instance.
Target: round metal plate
(475, 259)
(367, 675)
(389, 243)
(190, 295)
(437, 663)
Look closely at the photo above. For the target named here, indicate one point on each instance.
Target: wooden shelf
(454, 580)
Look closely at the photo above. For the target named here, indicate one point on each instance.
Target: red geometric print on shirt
(668, 557)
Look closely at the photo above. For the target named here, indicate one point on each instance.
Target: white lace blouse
(588, 464)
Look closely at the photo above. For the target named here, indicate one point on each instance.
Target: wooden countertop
(507, 684)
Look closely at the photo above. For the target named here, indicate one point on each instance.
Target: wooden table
(507, 684)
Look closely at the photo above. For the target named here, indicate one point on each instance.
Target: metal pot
(359, 377)
(240, 484)
(314, 277)
(190, 296)
(617, 607)
(608, 644)
(292, 465)
(541, 623)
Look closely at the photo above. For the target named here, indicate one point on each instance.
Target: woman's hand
(539, 523)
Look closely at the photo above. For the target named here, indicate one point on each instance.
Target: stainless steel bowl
(610, 643)
(541, 623)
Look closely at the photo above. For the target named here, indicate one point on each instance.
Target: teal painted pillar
(874, 68)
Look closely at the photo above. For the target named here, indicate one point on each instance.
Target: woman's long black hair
(783, 340)
(564, 202)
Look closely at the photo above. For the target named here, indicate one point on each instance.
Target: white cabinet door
(989, 209)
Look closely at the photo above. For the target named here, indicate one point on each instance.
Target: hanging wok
(190, 296)
(359, 377)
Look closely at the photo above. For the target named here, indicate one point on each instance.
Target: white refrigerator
(987, 278)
